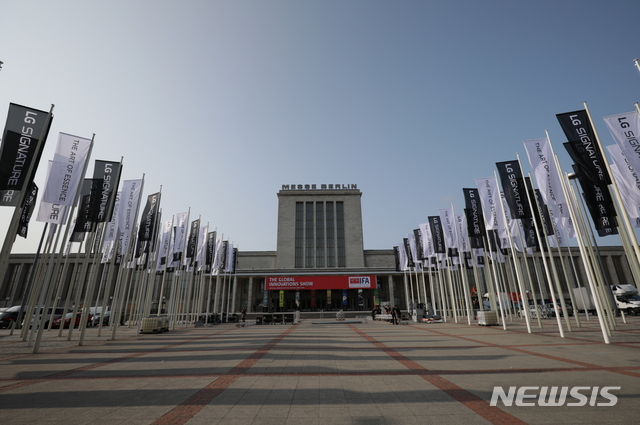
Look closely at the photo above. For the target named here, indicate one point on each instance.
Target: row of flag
(508, 203)
(97, 200)
(507, 213)
(109, 223)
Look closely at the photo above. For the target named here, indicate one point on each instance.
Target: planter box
(487, 318)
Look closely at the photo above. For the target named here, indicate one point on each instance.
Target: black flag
(192, 241)
(396, 254)
(84, 219)
(437, 234)
(417, 234)
(580, 133)
(407, 250)
(22, 143)
(27, 209)
(513, 188)
(106, 175)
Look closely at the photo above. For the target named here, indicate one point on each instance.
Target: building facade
(319, 247)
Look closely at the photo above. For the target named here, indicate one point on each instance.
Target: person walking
(395, 315)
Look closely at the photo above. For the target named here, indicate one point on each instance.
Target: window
(319, 229)
(309, 227)
(320, 234)
(331, 253)
(342, 262)
(299, 243)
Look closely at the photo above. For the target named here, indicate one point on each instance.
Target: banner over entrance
(276, 283)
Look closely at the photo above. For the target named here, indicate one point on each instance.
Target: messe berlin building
(320, 262)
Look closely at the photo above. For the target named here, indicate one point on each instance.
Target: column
(250, 302)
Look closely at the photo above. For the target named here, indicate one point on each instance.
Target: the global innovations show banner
(276, 283)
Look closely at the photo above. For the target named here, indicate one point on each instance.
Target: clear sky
(220, 103)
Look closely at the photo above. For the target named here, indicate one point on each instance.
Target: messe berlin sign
(274, 283)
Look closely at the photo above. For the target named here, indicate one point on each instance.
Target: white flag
(463, 242)
(448, 227)
(66, 170)
(219, 254)
(180, 239)
(202, 247)
(107, 251)
(128, 212)
(494, 218)
(165, 245)
(625, 129)
(403, 258)
(112, 227)
(547, 175)
(515, 227)
(412, 246)
(628, 182)
(230, 258)
(488, 191)
(51, 213)
(427, 242)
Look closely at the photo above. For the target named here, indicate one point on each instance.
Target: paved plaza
(320, 373)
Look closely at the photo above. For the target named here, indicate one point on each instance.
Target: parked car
(9, 316)
(552, 312)
(51, 314)
(97, 318)
(67, 320)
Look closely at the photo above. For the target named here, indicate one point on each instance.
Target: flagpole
(34, 291)
(146, 295)
(52, 263)
(463, 245)
(86, 304)
(413, 299)
(151, 262)
(432, 282)
(517, 269)
(84, 277)
(532, 286)
(199, 268)
(110, 253)
(495, 281)
(585, 261)
(65, 265)
(235, 279)
(595, 260)
(116, 313)
(99, 237)
(538, 210)
(443, 302)
(30, 282)
(164, 272)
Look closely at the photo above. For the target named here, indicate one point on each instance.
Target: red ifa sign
(275, 283)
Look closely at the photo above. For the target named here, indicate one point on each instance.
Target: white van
(627, 298)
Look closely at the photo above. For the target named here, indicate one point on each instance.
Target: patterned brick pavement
(367, 373)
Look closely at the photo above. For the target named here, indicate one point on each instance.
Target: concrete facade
(287, 199)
